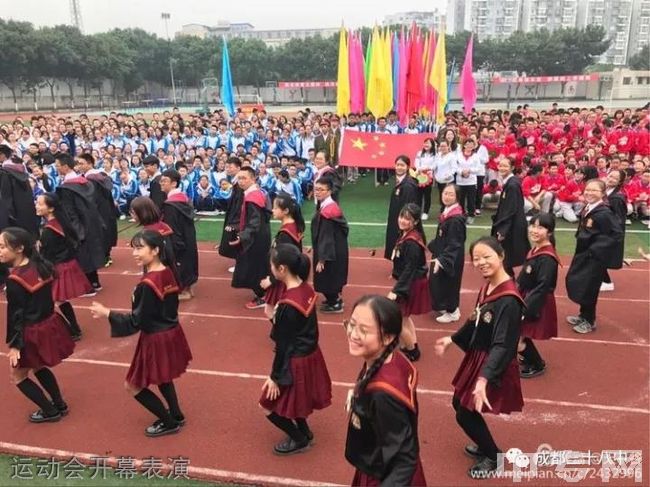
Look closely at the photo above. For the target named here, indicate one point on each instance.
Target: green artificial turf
(363, 203)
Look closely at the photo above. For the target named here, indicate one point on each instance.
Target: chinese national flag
(378, 150)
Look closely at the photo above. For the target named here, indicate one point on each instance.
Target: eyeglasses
(350, 327)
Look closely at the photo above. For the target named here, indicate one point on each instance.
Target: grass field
(363, 203)
(17, 471)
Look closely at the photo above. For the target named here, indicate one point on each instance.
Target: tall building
(616, 18)
(640, 27)
(421, 19)
(274, 37)
(486, 18)
(549, 14)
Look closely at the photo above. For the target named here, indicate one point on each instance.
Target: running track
(594, 395)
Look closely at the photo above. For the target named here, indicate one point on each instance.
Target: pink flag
(414, 73)
(467, 85)
(357, 79)
(428, 102)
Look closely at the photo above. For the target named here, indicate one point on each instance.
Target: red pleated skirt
(418, 301)
(544, 327)
(46, 343)
(70, 282)
(274, 293)
(364, 480)
(159, 358)
(504, 399)
(311, 388)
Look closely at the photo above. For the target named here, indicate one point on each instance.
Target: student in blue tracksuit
(127, 190)
(204, 195)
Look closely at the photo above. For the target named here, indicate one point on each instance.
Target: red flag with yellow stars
(379, 150)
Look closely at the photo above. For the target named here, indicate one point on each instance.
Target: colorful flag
(343, 78)
(467, 85)
(404, 51)
(414, 73)
(396, 61)
(438, 77)
(378, 150)
(379, 95)
(357, 76)
(227, 96)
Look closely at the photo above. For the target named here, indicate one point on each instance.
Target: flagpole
(450, 81)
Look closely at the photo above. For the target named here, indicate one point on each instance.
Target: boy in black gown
(233, 211)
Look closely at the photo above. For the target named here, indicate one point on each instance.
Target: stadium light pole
(166, 16)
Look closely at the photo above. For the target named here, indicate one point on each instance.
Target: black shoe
(289, 447)
(482, 469)
(414, 354)
(180, 421)
(332, 308)
(529, 371)
(473, 452)
(158, 428)
(40, 417)
(62, 409)
(76, 337)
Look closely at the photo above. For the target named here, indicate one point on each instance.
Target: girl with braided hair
(382, 439)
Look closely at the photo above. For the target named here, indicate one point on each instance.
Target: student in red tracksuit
(37, 337)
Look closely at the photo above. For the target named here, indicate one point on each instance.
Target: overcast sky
(102, 15)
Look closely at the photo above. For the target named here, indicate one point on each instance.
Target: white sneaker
(607, 286)
(231, 269)
(122, 217)
(425, 216)
(449, 317)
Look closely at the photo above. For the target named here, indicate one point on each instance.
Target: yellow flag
(343, 78)
(387, 91)
(438, 77)
(375, 96)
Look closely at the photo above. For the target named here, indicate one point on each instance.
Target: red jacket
(570, 192)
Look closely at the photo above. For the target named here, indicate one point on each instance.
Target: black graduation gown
(179, 215)
(510, 222)
(78, 201)
(329, 237)
(596, 241)
(231, 219)
(618, 204)
(405, 192)
(449, 248)
(103, 186)
(252, 261)
(155, 193)
(17, 201)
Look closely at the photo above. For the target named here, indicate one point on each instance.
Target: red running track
(594, 395)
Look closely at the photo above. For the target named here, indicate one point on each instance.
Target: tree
(16, 56)
(641, 60)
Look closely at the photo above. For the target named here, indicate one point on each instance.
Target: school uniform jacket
(596, 240)
(406, 191)
(329, 235)
(29, 301)
(295, 330)
(154, 306)
(509, 221)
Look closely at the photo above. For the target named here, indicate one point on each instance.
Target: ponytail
(53, 201)
(289, 256)
(286, 202)
(155, 240)
(16, 237)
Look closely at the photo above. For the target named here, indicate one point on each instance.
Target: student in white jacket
(468, 167)
(445, 165)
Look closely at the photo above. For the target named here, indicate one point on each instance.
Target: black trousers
(468, 199)
(332, 298)
(606, 278)
(441, 186)
(425, 198)
(383, 175)
(588, 312)
(476, 428)
(480, 180)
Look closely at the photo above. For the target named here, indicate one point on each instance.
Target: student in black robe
(406, 191)
(448, 257)
(78, 201)
(146, 214)
(58, 245)
(233, 211)
(487, 380)
(178, 213)
(329, 237)
(253, 239)
(151, 165)
(411, 289)
(536, 283)
(509, 222)
(299, 381)
(618, 203)
(103, 185)
(37, 336)
(291, 232)
(17, 196)
(597, 238)
(382, 439)
(162, 353)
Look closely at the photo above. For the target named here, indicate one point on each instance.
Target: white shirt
(425, 161)
(470, 164)
(70, 175)
(326, 202)
(444, 167)
(252, 188)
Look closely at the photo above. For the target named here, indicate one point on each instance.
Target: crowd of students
(65, 174)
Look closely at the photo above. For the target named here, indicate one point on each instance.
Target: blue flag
(227, 96)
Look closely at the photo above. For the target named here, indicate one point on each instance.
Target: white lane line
(432, 392)
(193, 471)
